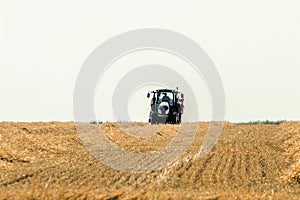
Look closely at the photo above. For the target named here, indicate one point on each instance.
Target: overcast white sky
(255, 45)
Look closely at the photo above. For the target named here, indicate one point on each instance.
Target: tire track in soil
(231, 165)
(226, 157)
(13, 160)
(198, 175)
(239, 169)
(17, 180)
(236, 147)
(262, 164)
(255, 169)
(216, 172)
(25, 176)
(247, 166)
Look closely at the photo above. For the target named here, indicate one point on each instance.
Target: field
(49, 161)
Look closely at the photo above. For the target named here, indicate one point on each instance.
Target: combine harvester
(166, 106)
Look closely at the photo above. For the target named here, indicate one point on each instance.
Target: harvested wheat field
(48, 161)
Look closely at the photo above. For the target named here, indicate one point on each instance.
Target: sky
(255, 46)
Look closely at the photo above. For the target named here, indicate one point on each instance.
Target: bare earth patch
(48, 161)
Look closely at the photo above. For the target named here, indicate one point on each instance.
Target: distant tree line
(263, 122)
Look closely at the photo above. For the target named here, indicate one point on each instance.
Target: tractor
(166, 106)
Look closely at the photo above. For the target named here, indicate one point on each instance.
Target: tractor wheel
(153, 119)
(178, 119)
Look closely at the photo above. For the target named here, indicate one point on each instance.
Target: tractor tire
(178, 121)
(153, 119)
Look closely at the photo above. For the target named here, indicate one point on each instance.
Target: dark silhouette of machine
(166, 106)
